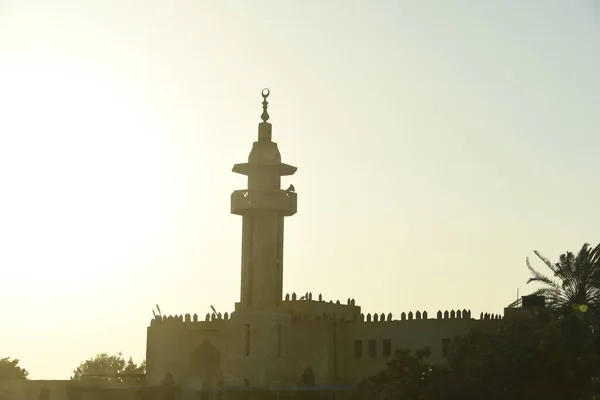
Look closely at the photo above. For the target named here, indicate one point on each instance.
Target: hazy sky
(438, 143)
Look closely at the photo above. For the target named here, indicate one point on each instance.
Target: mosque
(276, 341)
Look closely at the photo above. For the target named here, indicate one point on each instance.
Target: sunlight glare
(81, 174)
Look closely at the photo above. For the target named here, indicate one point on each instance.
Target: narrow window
(248, 237)
(278, 283)
(280, 237)
(372, 348)
(250, 273)
(278, 340)
(247, 340)
(387, 347)
(445, 346)
(358, 349)
(250, 231)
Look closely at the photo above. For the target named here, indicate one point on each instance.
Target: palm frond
(545, 261)
(575, 281)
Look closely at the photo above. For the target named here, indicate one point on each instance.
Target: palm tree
(574, 287)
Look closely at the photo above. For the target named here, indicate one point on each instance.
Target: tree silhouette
(9, 369)
(526, 359)
(573, 291)
(574, 287)
(104, 367)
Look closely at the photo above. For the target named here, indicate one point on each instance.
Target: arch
(205, 362)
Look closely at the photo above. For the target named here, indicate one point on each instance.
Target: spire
(265, 104)
(264, 128)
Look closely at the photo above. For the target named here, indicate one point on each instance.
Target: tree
(406, 376)
(104, 367)
(573, 291)
(574, 288)
(9, 369)
(526, 359)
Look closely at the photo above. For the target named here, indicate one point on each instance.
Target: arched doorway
(205, 363)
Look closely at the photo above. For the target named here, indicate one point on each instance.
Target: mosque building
(271, 340)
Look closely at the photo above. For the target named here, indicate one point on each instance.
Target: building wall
(408, 334)
(271, 349)
(26, 389)
(194, 352)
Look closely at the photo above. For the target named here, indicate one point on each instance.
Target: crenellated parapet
(187, 319)
(423, 315)
(308, 296)
(308, 308)
(488, 316)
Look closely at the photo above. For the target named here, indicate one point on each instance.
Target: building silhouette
(272, 340)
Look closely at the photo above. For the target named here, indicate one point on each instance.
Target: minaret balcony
(245, 201)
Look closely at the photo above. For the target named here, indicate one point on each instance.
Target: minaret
(263, 207)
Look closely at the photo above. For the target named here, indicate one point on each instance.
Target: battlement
(319, 310)
(410, 316)
(305, 308)
(418, 315)
(171, 320)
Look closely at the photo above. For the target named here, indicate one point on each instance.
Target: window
(250, 231)
(247, 340)
(250, 273)
(279, 340)
(280, 237)
(445, 346)
(358, 349)
(387, 347)
(278, 283)
(372, 348)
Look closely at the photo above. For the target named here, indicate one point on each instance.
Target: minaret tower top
(263, 207)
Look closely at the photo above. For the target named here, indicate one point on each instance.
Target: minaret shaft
(263, 207)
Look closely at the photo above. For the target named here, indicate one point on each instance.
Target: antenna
(153, 313)
(158, 308)
(214, 311)
(517, 294)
